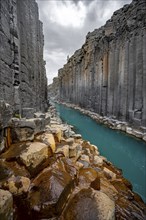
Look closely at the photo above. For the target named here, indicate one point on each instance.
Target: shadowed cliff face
(23, 82)
(108, 74)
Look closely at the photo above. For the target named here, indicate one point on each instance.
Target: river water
(125, 152)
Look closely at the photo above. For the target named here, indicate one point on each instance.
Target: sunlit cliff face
(66, 23)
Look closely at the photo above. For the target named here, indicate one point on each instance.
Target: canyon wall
(108, 74)
(23, 82)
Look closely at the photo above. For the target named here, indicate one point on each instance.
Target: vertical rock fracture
(108, 74)
(23, 82)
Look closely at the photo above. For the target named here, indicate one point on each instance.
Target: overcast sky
(66, 23)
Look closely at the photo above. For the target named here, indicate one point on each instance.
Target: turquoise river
(125, 152)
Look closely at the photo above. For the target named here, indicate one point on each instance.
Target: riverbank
(53, 173)
(139, 132)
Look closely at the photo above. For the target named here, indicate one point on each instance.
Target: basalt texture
(108, 74)
(23, 82)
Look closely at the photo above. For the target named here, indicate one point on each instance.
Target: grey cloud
(64, 40)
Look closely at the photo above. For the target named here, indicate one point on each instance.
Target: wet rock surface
(90, 204)
(59, 176)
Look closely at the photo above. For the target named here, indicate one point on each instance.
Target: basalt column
(23, 82)
(108, 74)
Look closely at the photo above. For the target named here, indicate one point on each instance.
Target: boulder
(90, 204)
(6, 205)
(47, 189)
(57, 132)
(35, 155)
(22, 130)
(25, 129)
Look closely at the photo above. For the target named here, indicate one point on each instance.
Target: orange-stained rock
(87, 175)
(34, 156)
(48, 139)
(47, 189)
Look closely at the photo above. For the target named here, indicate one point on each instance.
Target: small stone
(64, 150)
(87, 175)
(98, 160)
(85, 158)
(94, 147)
(79, 165)
(109, 173)
(119, 126)
(69, 141)
(18, 185)
(77, 136)
(137, 134)
(144, 137)
(39, 115)
(72, 151)
(6, 205)
(128, 130)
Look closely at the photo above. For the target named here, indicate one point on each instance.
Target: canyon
(47, 171)
(108, 74)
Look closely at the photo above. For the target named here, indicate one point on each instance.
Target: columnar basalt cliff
(23, 82)
(108, 74)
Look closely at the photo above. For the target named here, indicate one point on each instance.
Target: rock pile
(52, 173)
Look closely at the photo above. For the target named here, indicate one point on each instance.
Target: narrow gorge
(47, 170)
(108, 74)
